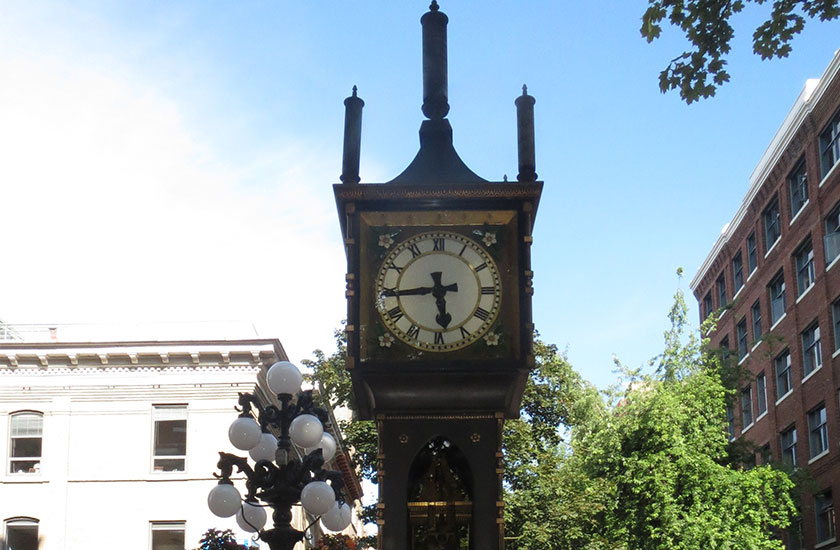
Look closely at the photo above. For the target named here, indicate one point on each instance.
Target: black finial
(352, 138)
(435, 85)
(504, 178)
(525, 136)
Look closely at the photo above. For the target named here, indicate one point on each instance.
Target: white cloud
(114, 210)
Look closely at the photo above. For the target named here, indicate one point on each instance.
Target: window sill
(757, 343)
(759, 417)
(745, 430)
(816, 458)
(835, 354)
(834, 261)
(779, 320)
(722, 313)
(825, 178)
(812, 373)
(739, 291)
(769, 250)
(742, 359)
(824, 543)
(782, 398)
(804, 293)
(793, 219)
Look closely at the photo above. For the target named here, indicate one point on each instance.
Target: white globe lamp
(337, 519)
(265, 450)
(224, 500)
(251, 517)
(327, 446)
(306, 430)
(244, 433)
(317, 497)
(284, 377)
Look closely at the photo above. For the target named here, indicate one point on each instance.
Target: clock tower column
(439, 330)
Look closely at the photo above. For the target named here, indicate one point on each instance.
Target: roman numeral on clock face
(395, 313)
(439, 338)
(480, 267)
(395, 267)
(437, 244)
(482, 314)
(487, 290)
(464, 332)
(413, 331)
(414, 249)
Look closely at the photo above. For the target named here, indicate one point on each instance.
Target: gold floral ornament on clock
(438, 291)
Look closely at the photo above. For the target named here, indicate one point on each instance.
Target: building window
(752, 262)
(21, 534)
(788, 438)
(167, 535)
(772, 224)
(756, 320)
(784, 382)
(738, 271)
(798, 183)
(721, 290)
(707, 305)
(741, 333)
(730, 422)
(811, 354)
(170, 451)
(805, 274)
(25, 435)
(824, 508)
(794, 536)
(830, 144)
(761, 393)
(725, 352)
(835, 312)
(832, 234)
(817, 431)
(746, 407)
(777, 297)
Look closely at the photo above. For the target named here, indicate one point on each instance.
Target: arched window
(21, 534)
(25, 434)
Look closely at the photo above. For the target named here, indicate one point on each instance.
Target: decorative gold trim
(438, 417)
(505, 190)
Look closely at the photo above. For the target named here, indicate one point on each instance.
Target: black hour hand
(420, 291)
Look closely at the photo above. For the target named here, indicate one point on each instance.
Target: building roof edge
(810, 95)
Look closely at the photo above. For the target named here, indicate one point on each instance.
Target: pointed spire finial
(354, 90)
(524, 89)
(434, 6)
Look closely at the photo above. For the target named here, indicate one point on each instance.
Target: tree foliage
(214, 539)
(707, 26)
(645, 466)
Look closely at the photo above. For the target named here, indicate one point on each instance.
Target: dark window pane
(738, 271)
(21, 537)
(26, 447)
(805, 274)
(761, 384)
(798, 183)
(789, 446)
(824, 508)
(772, 224)
(167, 539)
(170, 437)
(751, 253)
(830, 144)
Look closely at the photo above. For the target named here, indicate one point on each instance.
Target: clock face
(438, 291)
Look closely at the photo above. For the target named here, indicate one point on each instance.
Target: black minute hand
(421, 291)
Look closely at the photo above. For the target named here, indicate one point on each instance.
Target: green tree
(645, 466)
(698, 72)
(214, 539)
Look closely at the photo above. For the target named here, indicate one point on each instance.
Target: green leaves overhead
(698, 72)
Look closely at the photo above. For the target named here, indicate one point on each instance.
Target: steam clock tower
(439, 330)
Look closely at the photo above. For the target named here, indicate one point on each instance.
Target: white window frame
(166, 526)
(163, 412)
(37, 459)
(20, 522)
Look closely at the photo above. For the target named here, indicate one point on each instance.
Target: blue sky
(174, 161)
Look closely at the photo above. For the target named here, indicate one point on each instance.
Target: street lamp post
(277, 479)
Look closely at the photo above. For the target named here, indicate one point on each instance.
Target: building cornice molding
(811, 95)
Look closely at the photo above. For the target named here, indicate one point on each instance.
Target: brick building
(772, 275)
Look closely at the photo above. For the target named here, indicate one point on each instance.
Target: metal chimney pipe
(525, 136)
(435, 84)
(352, 138)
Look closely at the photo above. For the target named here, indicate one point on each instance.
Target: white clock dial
(438, 291)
